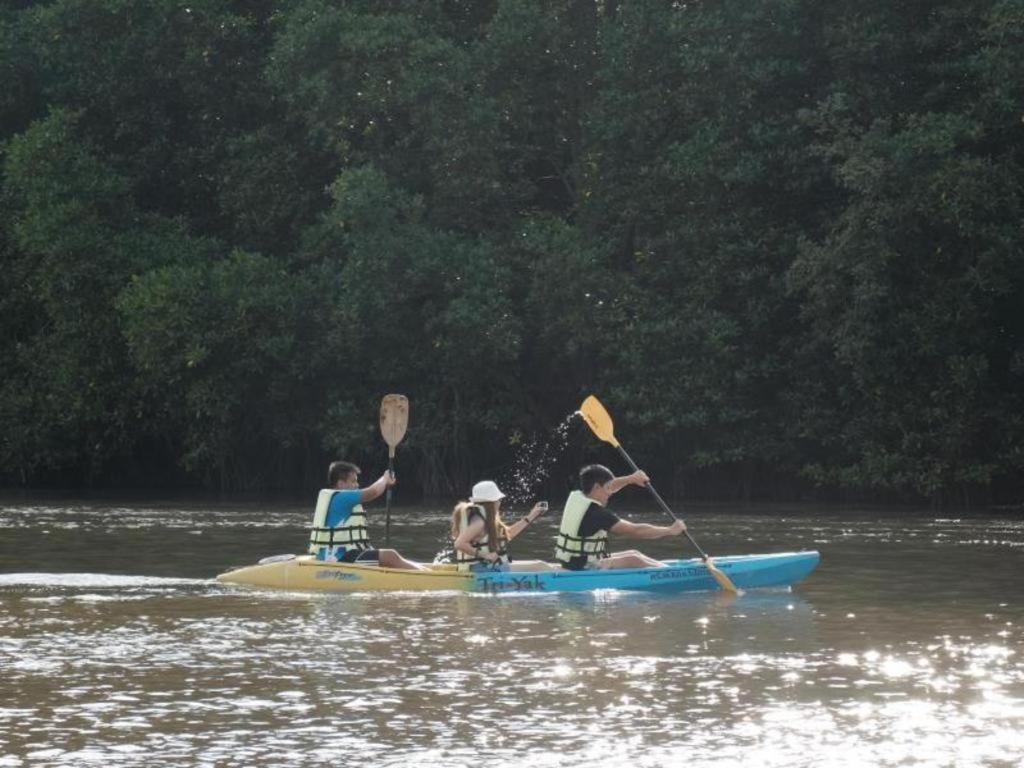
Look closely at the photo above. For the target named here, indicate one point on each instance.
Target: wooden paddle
(600, 423)
(394, 419)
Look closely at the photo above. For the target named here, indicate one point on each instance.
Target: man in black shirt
(586, 523)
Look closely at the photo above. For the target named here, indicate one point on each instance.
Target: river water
(904, 648)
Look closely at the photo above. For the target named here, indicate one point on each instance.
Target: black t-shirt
(596, 518)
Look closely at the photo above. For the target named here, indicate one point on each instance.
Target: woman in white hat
(481, 536)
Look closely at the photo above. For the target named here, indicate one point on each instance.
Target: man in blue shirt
(341, 534)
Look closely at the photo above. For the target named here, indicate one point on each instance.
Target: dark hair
(594, 474)
(339, 470)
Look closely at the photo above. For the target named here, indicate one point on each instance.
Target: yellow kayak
(307, 573)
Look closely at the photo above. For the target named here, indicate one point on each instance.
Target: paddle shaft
(387, 500)
(660, 500)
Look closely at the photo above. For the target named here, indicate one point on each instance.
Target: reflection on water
(117, 648)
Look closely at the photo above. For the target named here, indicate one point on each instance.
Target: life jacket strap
(577, 545)
(356, 535)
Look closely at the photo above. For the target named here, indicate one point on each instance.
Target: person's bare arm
(616, 484)
(464, 541)
(645, 531)
(371, 492)
(520, 525)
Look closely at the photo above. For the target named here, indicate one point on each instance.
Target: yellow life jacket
(569, 543)
(351, 534)
(482, 544)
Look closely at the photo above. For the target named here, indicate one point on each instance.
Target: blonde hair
(493, 524)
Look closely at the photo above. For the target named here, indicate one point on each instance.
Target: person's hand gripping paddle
(600, 423)
(394, 418)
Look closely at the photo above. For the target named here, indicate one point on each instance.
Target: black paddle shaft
(660, 500)
(387, 505)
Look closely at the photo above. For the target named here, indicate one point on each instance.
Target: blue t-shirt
(341, 507)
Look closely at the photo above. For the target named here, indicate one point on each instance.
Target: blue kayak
(307, 573)
(745, 571)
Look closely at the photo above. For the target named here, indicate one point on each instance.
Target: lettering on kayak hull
(532, 583)
(677, 573)
(337, 575)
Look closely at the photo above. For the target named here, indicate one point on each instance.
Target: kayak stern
(308, 573)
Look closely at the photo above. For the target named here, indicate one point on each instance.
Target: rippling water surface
(117, 648)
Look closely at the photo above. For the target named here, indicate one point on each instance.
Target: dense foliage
(781, 240)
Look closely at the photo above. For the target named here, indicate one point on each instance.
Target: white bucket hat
(486, 490)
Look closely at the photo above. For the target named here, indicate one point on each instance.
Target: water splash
(534, 461)
(531, 466)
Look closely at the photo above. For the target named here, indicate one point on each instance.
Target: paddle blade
(723, 581)
(394, 419)
(598, 420)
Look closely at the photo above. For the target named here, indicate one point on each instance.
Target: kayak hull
(307, 573)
